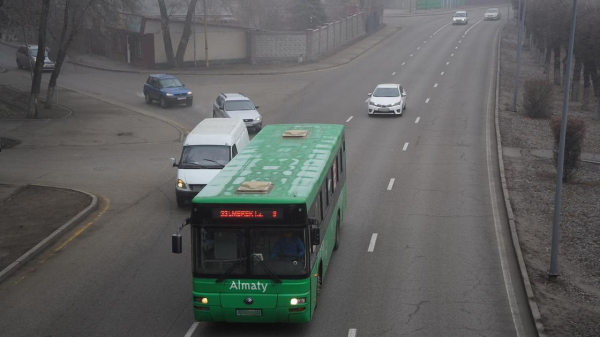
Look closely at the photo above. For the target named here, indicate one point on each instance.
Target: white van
(206, 150)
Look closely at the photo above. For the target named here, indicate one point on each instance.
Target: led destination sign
(257, 213)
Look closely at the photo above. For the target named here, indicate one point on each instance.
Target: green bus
(263, 230)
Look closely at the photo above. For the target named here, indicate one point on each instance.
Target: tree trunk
(187, 30)
(576, 80)
(557, 79)
(164, 22)
(585, 106)
(547, 62)
(39, 63)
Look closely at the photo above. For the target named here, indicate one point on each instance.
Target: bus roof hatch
(255, 187)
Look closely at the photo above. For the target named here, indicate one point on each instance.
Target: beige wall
(224, 43)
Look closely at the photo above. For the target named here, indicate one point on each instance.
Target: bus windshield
(282, 252)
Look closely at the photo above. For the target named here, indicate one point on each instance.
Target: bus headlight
(296, 301)
(180, 183)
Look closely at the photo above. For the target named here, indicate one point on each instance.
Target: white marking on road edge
(370, 250)
(427, 101)
(440, 29)
(447, 63)
(514, 309)
(192, 329)
(418, 119)
(349, 119)
(391, 184)
(411, 55)
(435, 85)
(442, 74)
(405, 146)
(403, 63)
(352, 333)
(394, 73)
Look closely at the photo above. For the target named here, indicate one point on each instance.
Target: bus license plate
(249, 312)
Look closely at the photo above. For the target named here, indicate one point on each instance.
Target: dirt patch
(14, 105)
(571, 305)
(31, 214)
(7, 143)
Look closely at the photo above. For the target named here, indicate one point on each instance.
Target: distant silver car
(238, 106)
(492, 14)
(387, 99)
(26, 56)
(460, 18)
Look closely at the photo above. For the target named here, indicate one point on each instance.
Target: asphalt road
(442, 263)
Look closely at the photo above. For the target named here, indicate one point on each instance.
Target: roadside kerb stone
(533, 307)
(316, 66)
(13, 267)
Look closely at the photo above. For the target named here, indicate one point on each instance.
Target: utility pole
(521, 22)
(553, 272)
(205, 35)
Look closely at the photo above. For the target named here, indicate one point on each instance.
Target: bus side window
(320, 205)
(341, 161)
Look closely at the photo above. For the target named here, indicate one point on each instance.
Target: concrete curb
(242, 73)
(533, 307)
(13, 267)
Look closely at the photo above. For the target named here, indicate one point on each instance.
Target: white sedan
(387, 99)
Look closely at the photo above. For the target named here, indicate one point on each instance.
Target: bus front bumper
(244, 315)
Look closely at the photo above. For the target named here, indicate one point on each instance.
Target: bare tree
(187, 30)
(39, 61)
(164, 21)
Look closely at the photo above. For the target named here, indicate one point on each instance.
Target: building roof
(293, 165)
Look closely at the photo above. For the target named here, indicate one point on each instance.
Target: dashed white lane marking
(463, 36)
(418, 48)
(430, 36)
(405, 146)
(425, 41)
(455, 47)
(467, 32)
(427, 101)
(349, 119)
(411, 55)
(435, 85)
(447, 63)
(352, 333)
(442, 74)
(192, 329)
(403, 63)
(394, 73)
(370, 250)
(417, 121)
(459, 41)
(437, 31)
(367, 101)
(391, 184)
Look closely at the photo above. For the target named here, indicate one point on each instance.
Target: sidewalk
(340, 58)
(32, 217)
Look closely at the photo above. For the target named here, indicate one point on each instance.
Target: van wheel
(148, 99)
(163, 103)
(180, 202)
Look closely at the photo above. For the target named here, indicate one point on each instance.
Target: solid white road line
(427, 101)
(352, 333)
(418, 119)
(192, 329)
(405, 146)
(391, 184)
(435, 85)
(394, 73)
(441, 28)
(442, 74)
(512, 300)
(349, 119)
(473, 26)
(370, 250)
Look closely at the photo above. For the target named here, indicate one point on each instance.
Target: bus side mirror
(315, 236)
(177, 243)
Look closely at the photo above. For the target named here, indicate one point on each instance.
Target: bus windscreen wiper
(269, 271)
(214, 161)
(230, 270)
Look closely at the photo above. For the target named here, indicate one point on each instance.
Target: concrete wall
(279, 46)
(329, 38)
(225, 44)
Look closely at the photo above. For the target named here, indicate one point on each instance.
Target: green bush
(538, 98)
(573, 144)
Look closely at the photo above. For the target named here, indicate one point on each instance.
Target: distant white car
(492, 14)
(387, 99)
(460, 18)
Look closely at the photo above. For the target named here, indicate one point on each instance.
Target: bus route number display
(259, 213)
